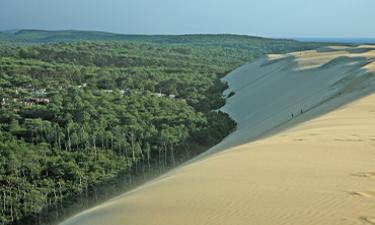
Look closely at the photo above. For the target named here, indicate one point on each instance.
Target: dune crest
(278, 91)
(293, 159)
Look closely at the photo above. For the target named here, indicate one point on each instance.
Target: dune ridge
(303, 153)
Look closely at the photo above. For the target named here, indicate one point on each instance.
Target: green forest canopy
(77, 114)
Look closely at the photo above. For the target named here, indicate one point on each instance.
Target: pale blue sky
(272, 18)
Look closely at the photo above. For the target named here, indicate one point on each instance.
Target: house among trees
(38, 101)
(159, 94)
(82, 85)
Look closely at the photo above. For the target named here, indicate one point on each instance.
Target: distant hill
(44, 36)
(230, 42)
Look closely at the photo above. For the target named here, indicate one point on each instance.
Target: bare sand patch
(303, 152)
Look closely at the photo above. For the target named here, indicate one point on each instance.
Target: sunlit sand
(303, 153)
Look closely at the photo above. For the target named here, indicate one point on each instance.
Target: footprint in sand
(349, 140)
(365, 194)
(366, 220)
(364, 174)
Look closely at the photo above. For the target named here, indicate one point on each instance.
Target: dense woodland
(76, 115)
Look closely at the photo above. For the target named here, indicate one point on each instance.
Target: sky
(269, 18)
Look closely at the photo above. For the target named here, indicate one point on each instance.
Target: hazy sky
(272, 18)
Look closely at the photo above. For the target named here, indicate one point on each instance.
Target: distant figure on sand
(301, 111)
(292, 115)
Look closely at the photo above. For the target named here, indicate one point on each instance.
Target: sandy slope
(320, 171)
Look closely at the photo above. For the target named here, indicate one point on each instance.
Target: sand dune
(317, 167)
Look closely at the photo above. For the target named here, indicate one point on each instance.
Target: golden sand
(317, 167)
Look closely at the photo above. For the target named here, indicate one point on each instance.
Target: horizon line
(181, 34)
